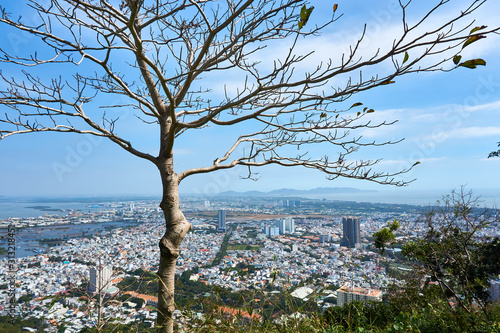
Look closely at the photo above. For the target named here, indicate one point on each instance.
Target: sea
(28, 239)
(34, 208)
(489, 198)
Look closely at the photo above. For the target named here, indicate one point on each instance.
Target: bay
(33, 240)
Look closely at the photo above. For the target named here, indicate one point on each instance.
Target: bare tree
(156, 54)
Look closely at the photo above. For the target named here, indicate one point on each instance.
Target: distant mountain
(287, 192)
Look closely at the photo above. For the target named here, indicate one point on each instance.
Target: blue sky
(449, 122)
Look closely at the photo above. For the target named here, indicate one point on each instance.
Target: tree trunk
(176, 229)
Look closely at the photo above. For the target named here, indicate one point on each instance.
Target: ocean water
(20, 208)
(485, 198)
(27, 239)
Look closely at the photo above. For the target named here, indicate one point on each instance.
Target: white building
(100, 278)
(280, 224)
(302, 293)
(289, 225)
(271, 231)
(286, 225)
(348, 294)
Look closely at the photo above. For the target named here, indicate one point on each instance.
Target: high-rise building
(348, 294)
(290, 203)
(271, 231)
(289, 225)
(222, 220)
(350, 232)
(280, 224)
(285, 225)
(100, 278)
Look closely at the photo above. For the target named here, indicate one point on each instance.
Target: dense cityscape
(317, 250)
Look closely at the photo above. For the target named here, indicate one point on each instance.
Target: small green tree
(386, 235)
(454, 253)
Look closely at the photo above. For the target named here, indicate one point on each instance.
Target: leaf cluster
(472, 63)
(386, 235)
(495, 153)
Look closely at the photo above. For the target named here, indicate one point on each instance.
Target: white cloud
(491, 160)
(437, 122)
(182, 151)
(410, 161)
(472, 132)
(493, 106)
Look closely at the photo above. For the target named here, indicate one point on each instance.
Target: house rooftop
(360, 291)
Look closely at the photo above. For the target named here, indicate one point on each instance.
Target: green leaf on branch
(382, 237)
(478, 28)
(473, 63)
(472, 40)
(394, 225)
(386, 235)
(456, 59)
(304, 15)
(406, 57)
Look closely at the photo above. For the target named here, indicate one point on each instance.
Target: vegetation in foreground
(389, 317)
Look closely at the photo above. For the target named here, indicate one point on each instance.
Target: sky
(450, 122)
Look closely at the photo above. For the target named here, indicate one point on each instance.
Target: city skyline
(450, 122)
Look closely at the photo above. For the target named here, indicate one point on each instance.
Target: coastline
(32, 240)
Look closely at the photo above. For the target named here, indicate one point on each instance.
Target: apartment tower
(350, 234)
(222, 221)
